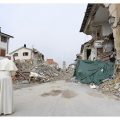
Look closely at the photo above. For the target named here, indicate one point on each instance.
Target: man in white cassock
(7, 70)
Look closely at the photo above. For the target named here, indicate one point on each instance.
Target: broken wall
(106, 29)
(114, 10)
(108, 46)
(93, 53)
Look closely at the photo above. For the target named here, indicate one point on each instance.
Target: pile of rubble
(23, 70)
(41, 72)
(47, 72)
(24, 65)
(68, 75)
(111, 87)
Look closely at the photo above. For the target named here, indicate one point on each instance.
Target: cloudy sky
(51, 28)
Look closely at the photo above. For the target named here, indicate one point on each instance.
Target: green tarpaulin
(93, 71)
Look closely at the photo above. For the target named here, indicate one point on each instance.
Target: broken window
(2, 52)
(25, 53)
(99, 51)
(98, 32)
(88, 53)
(98, 35)
(3, 39)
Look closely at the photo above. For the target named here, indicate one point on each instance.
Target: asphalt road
(61, 98)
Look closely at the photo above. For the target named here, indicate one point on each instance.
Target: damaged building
(97, 23)
(26, 54)
(100, 56)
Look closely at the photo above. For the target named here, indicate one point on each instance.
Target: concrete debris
(46, 72)
(93, 86)
(111, 87)
(40, 73)
(36, 77)
(117, 86)
(25, 82)
(119, 89)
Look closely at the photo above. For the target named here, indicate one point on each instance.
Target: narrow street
(63, 98)
(59, 59)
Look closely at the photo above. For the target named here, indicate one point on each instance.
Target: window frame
(3, 39)
(15, 55)
(24, 53)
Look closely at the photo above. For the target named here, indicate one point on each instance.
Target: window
(2, 52)
(99, 51)
(88, 53)
(15, 54)
(99, 32)
(3, 39)
(25, 53)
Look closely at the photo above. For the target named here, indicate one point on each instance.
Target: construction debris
(111, 87)
(93, 86)
(40, 73)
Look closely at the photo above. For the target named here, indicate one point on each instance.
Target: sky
(53, 29)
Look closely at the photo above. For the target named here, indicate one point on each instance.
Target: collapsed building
(25, 59)
(27, 54)
(102, 22)
(96, 23)
(33, 68)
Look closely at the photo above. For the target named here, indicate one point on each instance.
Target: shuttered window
(2, 52)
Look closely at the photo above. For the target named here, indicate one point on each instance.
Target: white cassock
(7, 67)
